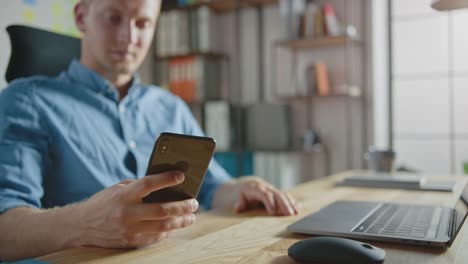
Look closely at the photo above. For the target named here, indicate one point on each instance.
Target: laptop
(435, 226)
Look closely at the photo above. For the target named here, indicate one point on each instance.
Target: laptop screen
(462, 208)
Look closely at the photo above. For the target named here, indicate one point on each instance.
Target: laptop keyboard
(402, 220)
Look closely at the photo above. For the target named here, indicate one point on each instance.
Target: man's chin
(124, 69)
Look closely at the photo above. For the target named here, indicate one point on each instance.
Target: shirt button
(132, 144)
(122, 109)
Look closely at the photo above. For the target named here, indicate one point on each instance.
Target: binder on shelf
(236, 163)
(181, 32)
(278, 168)
(268, 126)
(193, 78)
(161, 77)
(198, 112)
(161, 36)
(224, 123)
(207, 30)
(182, 80)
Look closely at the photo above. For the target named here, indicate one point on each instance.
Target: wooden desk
(223, 237)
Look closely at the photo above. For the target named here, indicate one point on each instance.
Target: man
(74, 149)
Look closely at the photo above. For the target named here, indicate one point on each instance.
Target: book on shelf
(321, 76)
(292, 11)
(309, 20)
(319, 24)
(311, 80)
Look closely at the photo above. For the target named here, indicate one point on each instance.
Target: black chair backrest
(39, 52)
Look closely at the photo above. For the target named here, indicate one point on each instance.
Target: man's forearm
(29, 232)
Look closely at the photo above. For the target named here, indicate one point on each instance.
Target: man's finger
(144, 186)
(263, 196)
(294, 202)
(159, 211)
(166, 225)
(285, 207)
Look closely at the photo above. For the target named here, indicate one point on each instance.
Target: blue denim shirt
(63, 139)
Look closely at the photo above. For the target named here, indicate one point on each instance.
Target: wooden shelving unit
(200, 54)
(317, 42)
(229, 5)
(220, 6)
(316, 97)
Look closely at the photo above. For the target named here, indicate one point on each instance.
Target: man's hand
(116, 216)
(249, 192)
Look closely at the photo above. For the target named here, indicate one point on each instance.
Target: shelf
(278, 151)
(317, 97)
(230, 5)
(199, 54)
(219, 6)
(317, 42)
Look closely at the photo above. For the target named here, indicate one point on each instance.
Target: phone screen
(176, 152)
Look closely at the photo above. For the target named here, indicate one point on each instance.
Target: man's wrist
(70, 221)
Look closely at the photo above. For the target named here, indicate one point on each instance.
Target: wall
(53, 15)
(430, 77)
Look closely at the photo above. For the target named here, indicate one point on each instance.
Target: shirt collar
(93, 81)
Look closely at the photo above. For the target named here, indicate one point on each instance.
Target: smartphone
(176, 152)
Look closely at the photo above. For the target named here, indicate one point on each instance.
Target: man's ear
(80, 12)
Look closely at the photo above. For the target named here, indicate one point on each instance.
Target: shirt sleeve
(23, 148)
(216, 174)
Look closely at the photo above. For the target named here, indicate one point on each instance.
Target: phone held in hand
(177, 152)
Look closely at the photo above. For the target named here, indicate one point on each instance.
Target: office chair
(39, 52)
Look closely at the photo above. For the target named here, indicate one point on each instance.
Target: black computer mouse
(335, 250)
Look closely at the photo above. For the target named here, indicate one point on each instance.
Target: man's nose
(128, 34)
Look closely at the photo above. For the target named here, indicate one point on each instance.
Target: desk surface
(254, 237)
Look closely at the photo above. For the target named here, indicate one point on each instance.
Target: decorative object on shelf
(332, 25)
(445, 5)
(380, 160)
(311, 143)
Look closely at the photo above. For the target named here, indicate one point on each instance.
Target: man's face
(116, 33)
